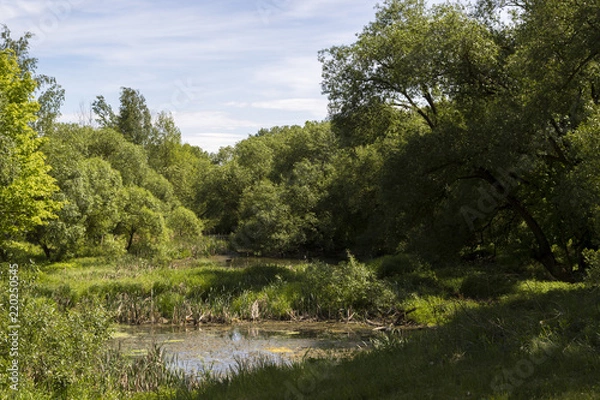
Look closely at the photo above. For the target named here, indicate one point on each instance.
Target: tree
(270, 189)
(267, 225)
(133, 121)
(186, 229)
(26, 188)
(183, 165)
(89, 188)
(141, 221)
(105, 116)
(91, 212)
(496, 103)
(355, 216)
(50, 94)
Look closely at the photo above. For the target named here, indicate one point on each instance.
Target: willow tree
(500, 102)
(25, 186)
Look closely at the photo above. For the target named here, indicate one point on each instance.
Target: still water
(219, 349)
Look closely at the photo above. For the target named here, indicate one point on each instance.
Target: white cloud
(206, 121)
(316, 107)
(295, 76)
(21, 9)
(213, 141)
(225, 69)
(317, 8)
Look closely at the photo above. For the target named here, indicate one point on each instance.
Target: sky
(223, 69)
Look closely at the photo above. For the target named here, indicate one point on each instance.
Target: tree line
(454, 131)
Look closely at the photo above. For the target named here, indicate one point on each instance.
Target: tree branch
(418, 109)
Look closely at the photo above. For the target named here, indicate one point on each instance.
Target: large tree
(499, 104)
(25, 186)
(50, 95)
(133, 121)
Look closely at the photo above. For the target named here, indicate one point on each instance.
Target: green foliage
(112, 198)
(497, 103)
(271, 190)
(532, 319)
(488, 351)
(89, 189)
(186, 231)
(138, 292)
(593, 260)
(142, 221)
(59, 360)
(134, 121)
(50, 95)
(450, 129)
(64, 351)
(184, 166)
(57, 351)
(332, 291)
(26, 188)
(266, 223)
(185, 224)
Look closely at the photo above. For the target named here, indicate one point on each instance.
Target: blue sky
(224, 69)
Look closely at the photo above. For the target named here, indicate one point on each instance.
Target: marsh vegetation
(456, 183)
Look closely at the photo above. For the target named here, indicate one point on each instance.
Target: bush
(337, 290)
(111, 248)
(58, 351)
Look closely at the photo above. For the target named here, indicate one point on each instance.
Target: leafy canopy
(25, 185)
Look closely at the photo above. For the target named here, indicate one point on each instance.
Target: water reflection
(220, 349)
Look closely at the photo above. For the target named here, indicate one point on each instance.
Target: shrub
(337, 290)
(58, 350)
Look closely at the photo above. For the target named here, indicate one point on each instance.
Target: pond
(219, 349)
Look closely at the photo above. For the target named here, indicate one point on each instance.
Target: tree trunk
(545, 255)
(47, 251)
(130, 240)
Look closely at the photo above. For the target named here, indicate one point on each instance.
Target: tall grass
(481, 331)
(63, 350)
(539, 342)
(140, 293)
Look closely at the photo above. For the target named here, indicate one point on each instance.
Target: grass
(137, 292)
(539, 342)
(481, 331)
